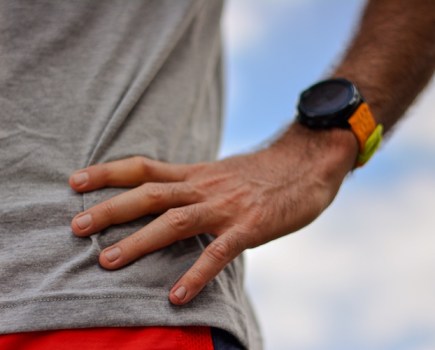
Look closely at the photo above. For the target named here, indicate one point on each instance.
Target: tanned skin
(392, 57)
(248, 200)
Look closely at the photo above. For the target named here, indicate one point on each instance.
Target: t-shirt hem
(72, 310)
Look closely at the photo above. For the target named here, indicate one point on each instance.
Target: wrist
(333, 152)
(337, 103)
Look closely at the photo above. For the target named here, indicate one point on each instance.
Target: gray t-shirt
(83, 82)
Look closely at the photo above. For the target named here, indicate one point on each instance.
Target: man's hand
(244, 201)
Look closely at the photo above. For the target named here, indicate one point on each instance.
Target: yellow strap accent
(368, 134)
(372, 144)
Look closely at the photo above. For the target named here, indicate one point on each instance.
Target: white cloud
(364, 272)
(247, 22)
(243, 26)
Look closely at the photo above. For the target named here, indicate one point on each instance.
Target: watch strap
(367, 132)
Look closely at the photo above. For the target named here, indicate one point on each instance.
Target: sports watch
(337, 103)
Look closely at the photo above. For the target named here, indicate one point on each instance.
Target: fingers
(188, 210)
(175, 224)
(213, 260)
(146, 199)
(126, 173)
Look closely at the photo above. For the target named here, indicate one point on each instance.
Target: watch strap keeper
(367, 132)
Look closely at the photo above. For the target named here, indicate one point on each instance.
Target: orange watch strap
(367, 132)
(362, 124)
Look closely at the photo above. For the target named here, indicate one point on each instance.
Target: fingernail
(112, 254)
(84, 221)
(180, 293)
(80, 179)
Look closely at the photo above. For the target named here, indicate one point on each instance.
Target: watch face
(327, 98)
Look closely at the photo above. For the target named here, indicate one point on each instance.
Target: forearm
(390, 59)
(392, 56)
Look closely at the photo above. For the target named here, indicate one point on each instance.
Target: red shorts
(132, 338)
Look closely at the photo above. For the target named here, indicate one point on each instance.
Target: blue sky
(363, 275)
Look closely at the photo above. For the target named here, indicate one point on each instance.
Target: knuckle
(195, 194)
(145, 164)
(153, 192)
(139, 160)
(109, 210)
(194, 169)
(178, 219)
(104, 173)
(135, 241)
(219, 251)
(256, 216)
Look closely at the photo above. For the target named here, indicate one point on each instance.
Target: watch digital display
(327, 98)
(329, 103)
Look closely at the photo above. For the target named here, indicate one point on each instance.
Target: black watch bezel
(318, 110)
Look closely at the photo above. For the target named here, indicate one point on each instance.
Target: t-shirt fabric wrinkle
(85, 82)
